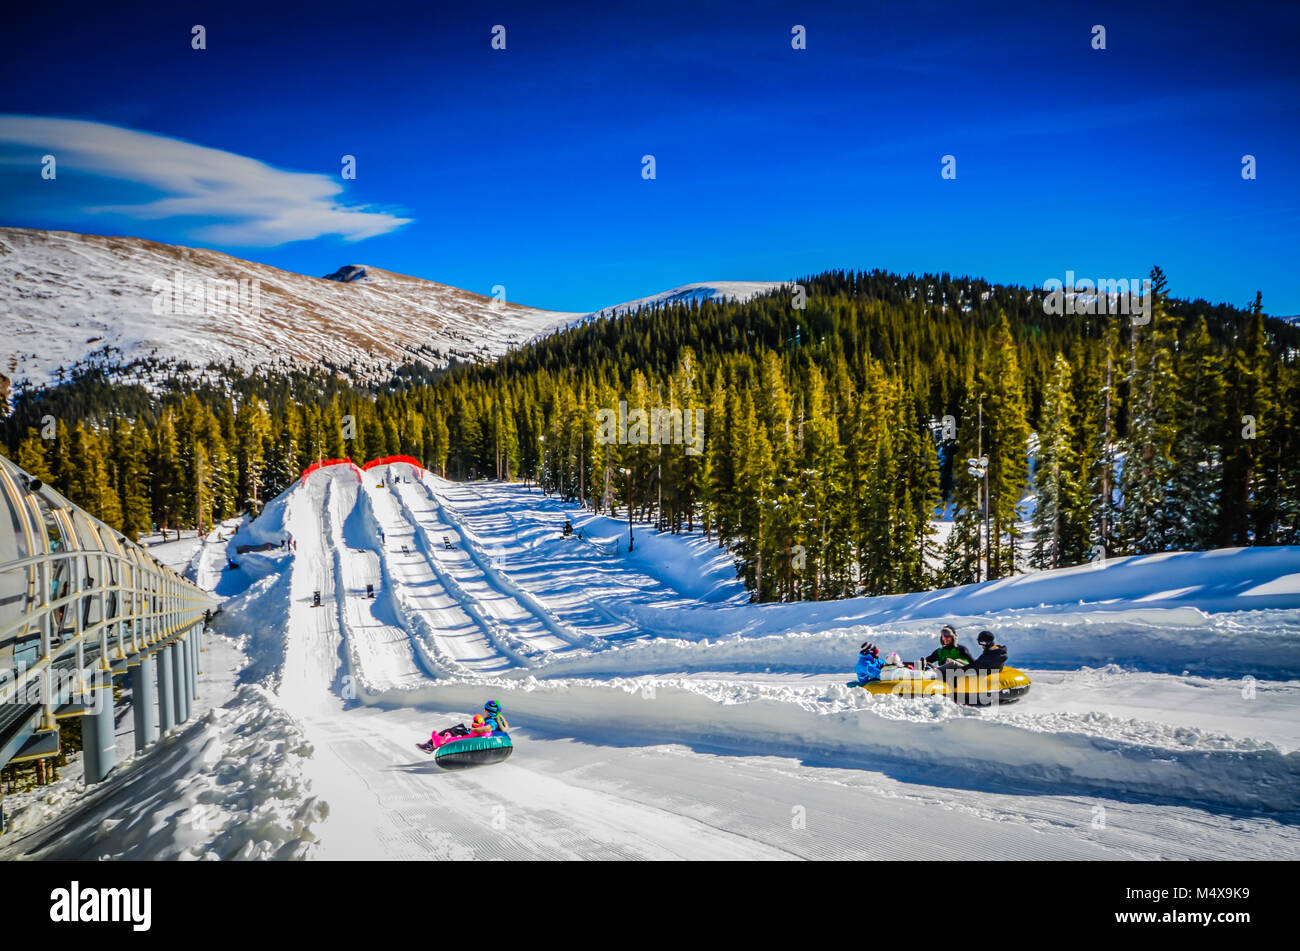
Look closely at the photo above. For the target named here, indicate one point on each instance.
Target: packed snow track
(657, 714)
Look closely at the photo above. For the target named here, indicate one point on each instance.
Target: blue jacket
(869, 668)
(496, 721)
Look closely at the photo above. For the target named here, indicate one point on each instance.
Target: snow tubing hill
(474, 751)
(982, 690)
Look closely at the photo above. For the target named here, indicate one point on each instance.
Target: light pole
(979, 468)
(542, 481)
(630, 540)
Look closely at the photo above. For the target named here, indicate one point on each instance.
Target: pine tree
(962, 556)
(1252, 418)
(823, 532)
(252, 430)
(877, 501)
(1287, 454)
(1058, 513)
(135, 476)
(90, 487)
(1196, 458)
(716, 477)
(32, 457)
(917, 494)
(1100, 452)
(1144, 523)
(754, 470)
(1008, 445)
(166, 483)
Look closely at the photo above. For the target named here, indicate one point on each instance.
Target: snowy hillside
(71, 298)
(740, 291)
(65, 297)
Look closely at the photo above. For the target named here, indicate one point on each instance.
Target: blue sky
(522, 167)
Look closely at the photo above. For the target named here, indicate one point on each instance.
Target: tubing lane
(506, 585)
(383, 654)
(518, 650)
(455, 655)
(439, 660)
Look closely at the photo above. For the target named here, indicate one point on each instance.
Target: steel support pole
(182, 650)
(143, 702)
(166, 689)
(194, 664)
(100, 750)
(199, 631)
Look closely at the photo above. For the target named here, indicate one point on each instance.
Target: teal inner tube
(474, 751)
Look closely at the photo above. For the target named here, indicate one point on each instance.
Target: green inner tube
(474, 751)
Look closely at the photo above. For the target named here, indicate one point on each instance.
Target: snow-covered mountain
(710, 290)
(67, 298)
(74, 299)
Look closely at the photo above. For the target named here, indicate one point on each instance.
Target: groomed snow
(658, 714)
(629, 656)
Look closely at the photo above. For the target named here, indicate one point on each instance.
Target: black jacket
(993, 658)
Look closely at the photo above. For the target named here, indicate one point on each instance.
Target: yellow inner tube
(1004, 686)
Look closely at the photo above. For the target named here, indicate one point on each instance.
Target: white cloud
(254, 203)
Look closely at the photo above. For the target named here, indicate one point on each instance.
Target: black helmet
(986, 637)
(868, 649)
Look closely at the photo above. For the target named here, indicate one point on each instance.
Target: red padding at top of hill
(321, 464)
(389, 460)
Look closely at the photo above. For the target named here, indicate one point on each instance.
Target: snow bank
(1172, 586)
(1261, 644)
(228, 786)
(260, 614)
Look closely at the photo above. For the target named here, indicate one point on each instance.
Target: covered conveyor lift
(79, 606)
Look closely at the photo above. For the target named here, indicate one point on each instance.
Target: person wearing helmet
(494, 717)
(949, 654)
(869, 663)
(491, 717)
(994, 656)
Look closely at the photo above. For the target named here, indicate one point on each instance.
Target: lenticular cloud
(250, 202)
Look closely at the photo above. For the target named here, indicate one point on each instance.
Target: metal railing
(79, 600)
